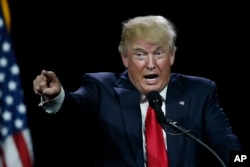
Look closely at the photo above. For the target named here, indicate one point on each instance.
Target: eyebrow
(141, 49)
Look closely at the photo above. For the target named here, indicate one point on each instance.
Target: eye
(159, 54)
(139, 55)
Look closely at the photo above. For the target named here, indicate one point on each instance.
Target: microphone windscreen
(154, 97)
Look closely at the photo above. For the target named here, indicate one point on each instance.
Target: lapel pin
(181, 102)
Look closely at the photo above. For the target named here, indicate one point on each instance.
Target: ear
(125, 60)
(172, 58)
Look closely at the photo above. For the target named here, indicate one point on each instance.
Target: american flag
(16, 148)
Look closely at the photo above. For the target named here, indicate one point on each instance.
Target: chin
(152, 89)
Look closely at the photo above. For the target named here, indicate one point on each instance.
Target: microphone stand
(175, 125)
(155, 101)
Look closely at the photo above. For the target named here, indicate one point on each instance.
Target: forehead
(147, 45)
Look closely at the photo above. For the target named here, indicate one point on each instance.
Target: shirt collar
(163, 93)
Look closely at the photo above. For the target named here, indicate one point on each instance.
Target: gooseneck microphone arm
(155, 101)
(188, 133)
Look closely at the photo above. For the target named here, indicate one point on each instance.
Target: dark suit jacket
(112, 104)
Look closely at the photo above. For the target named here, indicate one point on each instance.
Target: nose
(150, 62)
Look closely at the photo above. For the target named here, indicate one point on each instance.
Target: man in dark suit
(118, 103)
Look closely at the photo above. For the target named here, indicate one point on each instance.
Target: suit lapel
(129, 99)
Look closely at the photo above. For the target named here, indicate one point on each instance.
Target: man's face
(148, 65)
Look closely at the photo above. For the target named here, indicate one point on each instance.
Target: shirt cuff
(54, 105)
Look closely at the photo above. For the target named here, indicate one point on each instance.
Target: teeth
(150, 79)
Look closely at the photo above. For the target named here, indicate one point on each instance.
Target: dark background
(73, 38)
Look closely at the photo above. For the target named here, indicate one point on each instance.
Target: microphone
(155, 101)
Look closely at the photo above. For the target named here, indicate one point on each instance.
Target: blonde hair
(151, 28)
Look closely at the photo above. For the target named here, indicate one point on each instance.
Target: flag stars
(6, 116)
(3, 62)
(12, 85)
(21, 108)
(4, 131)
(6, 46)
(12, 108)
(19, 123)
(14, 69)
(9, 100)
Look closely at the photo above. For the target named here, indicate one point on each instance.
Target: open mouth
(151, 79)
(151, 76)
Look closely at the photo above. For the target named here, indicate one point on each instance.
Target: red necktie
(155, 146)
